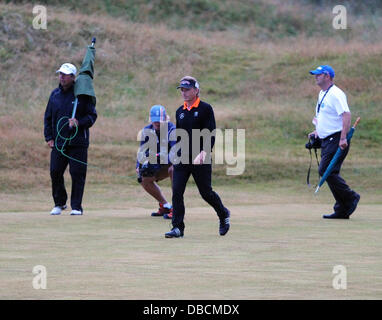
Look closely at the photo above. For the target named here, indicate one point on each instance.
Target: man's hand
(346, 119)
(314, 133)
(50, 143)
(343, 143)
(200, 157)
(73, 122)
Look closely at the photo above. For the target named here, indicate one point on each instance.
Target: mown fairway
(273, 251)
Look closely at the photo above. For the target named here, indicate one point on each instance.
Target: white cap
(67, 68)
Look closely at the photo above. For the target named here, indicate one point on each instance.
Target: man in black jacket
(195, 116)
(69, 139)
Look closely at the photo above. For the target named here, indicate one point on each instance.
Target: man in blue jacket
(59, 129)
(150, 172)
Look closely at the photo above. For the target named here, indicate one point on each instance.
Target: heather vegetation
(252, 60)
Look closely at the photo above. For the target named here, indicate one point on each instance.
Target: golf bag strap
(310, 165)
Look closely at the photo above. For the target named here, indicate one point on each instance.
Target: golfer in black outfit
(195, 114)
(58, 118)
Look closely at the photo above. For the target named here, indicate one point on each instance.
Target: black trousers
(340, 190)
(58, 165)
(202, 177)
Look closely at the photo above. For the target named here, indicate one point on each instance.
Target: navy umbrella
(338, 154)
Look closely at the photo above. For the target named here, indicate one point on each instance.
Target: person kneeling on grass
(150, 172)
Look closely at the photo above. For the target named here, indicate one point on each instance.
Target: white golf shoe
(57, 210)
(76, 213)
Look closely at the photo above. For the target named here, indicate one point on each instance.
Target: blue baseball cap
(323, 69)
(157, 113)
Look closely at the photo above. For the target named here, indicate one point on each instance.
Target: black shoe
(174, 233)
(335, 215)
(224, 224)
(167, 216)
(161, 211)
(353, 204)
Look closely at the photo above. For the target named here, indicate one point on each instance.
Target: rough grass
(261, 86)
(265, 19)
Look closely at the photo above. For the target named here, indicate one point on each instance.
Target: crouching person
(153, 162)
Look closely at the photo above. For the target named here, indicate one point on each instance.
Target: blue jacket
(150, 128)
(60, 106)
